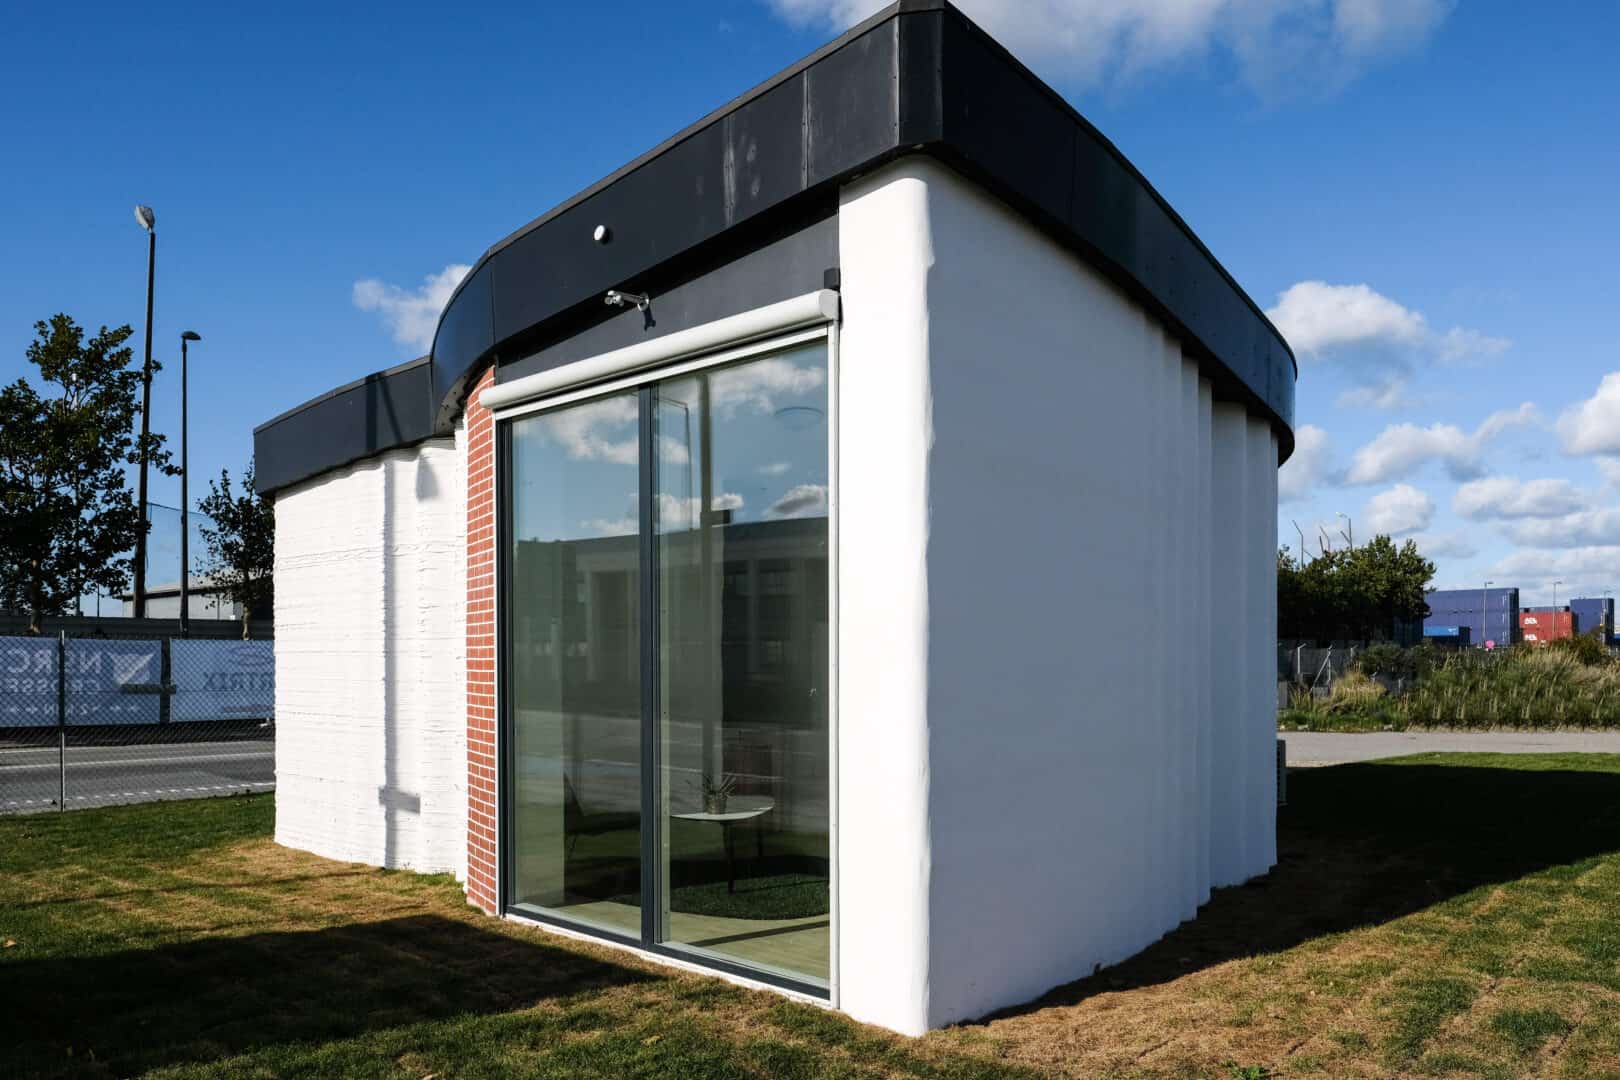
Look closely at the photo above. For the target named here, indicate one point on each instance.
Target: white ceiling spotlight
(602, 234)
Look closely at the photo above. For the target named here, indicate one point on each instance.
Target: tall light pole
(148, 221)
(186, 338)
(1557, 583)
(1349, 526)
(1484, 629)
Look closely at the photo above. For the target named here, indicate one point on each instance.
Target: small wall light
(618, 298)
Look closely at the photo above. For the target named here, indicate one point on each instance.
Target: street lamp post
(1484, 629)
(1349, 528)
(1557, 583)
(148, 221)
(186, 338)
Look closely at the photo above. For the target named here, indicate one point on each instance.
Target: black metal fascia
(357, 420)
(918, 77)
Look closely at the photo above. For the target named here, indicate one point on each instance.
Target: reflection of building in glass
(771, 604)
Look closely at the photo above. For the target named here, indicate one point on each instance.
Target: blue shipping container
(1594, 615)
(1489, 614)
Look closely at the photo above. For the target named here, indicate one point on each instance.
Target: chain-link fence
(94, 721)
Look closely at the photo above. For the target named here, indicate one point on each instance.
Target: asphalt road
(1307, 748)
(109, 775)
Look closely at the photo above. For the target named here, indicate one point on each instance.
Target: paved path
(1329, 748)
(106, 775)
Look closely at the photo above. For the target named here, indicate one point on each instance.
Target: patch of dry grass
(1433, 917)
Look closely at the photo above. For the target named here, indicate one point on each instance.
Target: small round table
(739, 808)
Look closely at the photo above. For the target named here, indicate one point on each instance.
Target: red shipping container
(1540, 627)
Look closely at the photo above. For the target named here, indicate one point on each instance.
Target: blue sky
(1422, 191)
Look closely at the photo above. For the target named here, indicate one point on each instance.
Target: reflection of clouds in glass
(673, 512)
(624, 526)
(588, 431)
(673, 451)
(757, 385)
(803, 500)
(775, 468)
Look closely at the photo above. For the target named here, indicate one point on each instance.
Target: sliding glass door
(574, 670)
(668, 637)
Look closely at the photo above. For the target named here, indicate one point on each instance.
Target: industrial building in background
(1487, 616)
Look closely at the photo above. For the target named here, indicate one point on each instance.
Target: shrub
(1394, 662)
(1583, 648)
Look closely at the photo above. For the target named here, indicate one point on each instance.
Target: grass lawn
(1436, 915)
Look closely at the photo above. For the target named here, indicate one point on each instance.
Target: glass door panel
(741, 515)
(575, 664)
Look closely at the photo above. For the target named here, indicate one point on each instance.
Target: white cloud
(1584, 571)
(1279, 46)
(1384, 396)
(1400, 449)
(1451, 545)
(803, 500)
(1593, 426)
(411, 315)
(1318, 318)
(775, 468)
(1379, 340)
(1509, 497)
(1586, 528)
(1609, 467)
(1321, 321)
(1308, 467)
(1400, 510)
(1460, 344)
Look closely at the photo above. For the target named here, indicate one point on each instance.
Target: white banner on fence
(27, 682)
(222, 680)
(114, 682)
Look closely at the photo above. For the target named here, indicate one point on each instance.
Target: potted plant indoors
(716, 792)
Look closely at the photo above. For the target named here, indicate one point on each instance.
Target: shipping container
(1594, 615)
(1542, 626)
(1491, 615)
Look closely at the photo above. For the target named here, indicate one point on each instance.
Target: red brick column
(481, 649)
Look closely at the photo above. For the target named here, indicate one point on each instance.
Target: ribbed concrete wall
(370, 713)
(1057, 601)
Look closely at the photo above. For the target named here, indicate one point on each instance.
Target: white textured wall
(370, 673)
(1056, 597)
(885, 435)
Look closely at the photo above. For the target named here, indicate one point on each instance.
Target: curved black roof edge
(918, 77)
(381, 411)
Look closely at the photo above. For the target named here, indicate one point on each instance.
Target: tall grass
(1526, 687)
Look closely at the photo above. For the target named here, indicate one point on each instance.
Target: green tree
(1390, 584)
(1356, 593)
(241, 546)
(68, 520)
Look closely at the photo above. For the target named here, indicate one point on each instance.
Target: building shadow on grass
(1361, 845)
(203, 1000)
